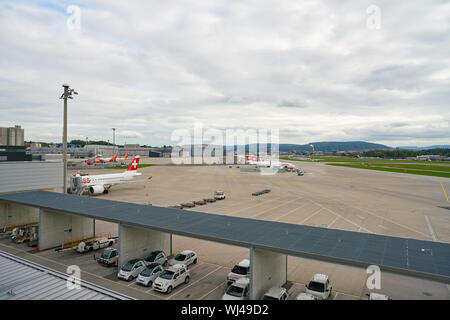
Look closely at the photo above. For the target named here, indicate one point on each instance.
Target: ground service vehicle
(96, 244)
(219, 195)
(109, 257)
(149, 274)
(171, 278)
(276, 293)
(238, 290)
(186, 257)
(240, 270)
(131, 269)
(157, 256)
(319, 286)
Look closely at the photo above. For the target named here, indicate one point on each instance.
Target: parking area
(332, 197)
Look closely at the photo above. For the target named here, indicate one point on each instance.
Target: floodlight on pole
(67, 94)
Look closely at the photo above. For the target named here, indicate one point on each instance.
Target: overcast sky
(316, 70)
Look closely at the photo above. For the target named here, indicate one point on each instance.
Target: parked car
(131, 269)
(238, 290)
(276, 293)
(199, 202)
(377, 296)
(149, 274)
(186, 257)
(319, 286)
(89, 246)
(219, 195)
(240, 270)
(109, 257)
(306, 296)
(157, 256)
(171, 278)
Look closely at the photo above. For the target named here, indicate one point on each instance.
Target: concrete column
(56, 228)
(138, 243)
(267, 269)
(16, 214)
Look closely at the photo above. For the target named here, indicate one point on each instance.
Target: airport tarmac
(326, 196)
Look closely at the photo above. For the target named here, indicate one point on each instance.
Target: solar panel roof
(404, 255)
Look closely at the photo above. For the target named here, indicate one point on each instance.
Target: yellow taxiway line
(445, 193)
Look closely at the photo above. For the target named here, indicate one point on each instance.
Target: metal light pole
(66, 95)
(114, 136)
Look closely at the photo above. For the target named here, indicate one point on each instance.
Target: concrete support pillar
(268, 269)
(16, 214)
(56, 228)
(138, 243)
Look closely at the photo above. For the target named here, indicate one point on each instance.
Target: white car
(158, 257)
(378, 296)
(240, 270)
(131, 269)
(185, 257)
(276, 293)
(306, 296)
(238, 290)
(171, 278)
(319, 286)
(149, 274)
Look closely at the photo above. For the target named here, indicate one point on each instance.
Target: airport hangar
(145, 228)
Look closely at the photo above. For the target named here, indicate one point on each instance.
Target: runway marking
(316, 212)
(192, 283)
(335, 296)
(391, 221)
(445, 193)
(261, 212)
(333, 222)
(383, 227)
(430, 228)
(342, 217)
(290, 211)
(361, 217)
(264, 202)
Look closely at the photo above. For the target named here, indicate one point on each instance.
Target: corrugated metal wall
(31, 175)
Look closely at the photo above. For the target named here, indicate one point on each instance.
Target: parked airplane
(111, 159)
(98, 184)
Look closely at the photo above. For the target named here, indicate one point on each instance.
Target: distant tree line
(83, 142)
(402, 154)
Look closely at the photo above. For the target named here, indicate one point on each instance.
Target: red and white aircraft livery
(98, 184)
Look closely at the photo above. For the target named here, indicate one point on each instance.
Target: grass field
(358, 160)
(420, 171)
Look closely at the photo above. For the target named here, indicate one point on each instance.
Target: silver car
(131, 269)
(158, 257)
(149, 274)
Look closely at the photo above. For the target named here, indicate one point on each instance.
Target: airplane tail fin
(126, 156)
(114, 158)
(134, 164)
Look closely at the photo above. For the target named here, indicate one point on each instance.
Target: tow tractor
(109, 257)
